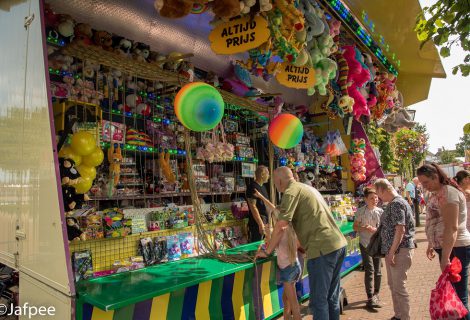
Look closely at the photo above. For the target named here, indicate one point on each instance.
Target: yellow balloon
(95, 158)
(83, 143)
(466, 128)
(67, 152)
(84, 185)
(87, 171)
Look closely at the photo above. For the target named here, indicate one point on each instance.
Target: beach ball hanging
(285, 131)
(199, 106)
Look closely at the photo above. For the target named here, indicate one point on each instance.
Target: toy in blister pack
(113, 132)
(174, 250)
(115, 225)
(146, 247)
(82, 265)
(231, 126)
(219, 239)
(160, 249)
(186, 244)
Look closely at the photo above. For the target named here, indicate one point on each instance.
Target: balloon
(95, 158)
(84, 185)
(67, 152)
(87, 171)
(199, 106)
(83, 143)
(285, 131)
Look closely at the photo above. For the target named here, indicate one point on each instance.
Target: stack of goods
(137, 138)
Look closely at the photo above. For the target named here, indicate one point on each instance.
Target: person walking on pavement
(258, 218)
(446, 224)
(318, 233)
(397, 233)
(365, 224)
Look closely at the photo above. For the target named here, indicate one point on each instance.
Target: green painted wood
(175, 305)
(248, 294)
(273, 286)
(124, 313)
(215, 303)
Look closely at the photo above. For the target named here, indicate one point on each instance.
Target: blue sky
(447, 108)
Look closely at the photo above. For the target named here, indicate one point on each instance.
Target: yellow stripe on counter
(159, 307)
(203, 299)
(265, 290)
(99, 314)
(237, 296)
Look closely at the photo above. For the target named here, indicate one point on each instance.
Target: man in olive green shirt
(320, 236)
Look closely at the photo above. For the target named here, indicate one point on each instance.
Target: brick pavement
(421, 279)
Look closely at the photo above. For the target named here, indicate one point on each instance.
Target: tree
(382, 140)
(410, 149)
(448, 156)
(463, 145)
(448, 24)
(418, 157)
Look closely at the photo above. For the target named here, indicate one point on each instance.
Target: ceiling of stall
(395, 21)
(138, 20)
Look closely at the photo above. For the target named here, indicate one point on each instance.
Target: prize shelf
(162, 195)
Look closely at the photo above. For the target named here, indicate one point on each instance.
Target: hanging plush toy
(173, 8)
(164, 162)
(357, 160)
(226, 9)
(114, 159)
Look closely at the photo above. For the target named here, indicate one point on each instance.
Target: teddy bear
(173, 8)
(103, 39)
(226, 9)
(314, 25)
(71, 199)
(83, 34)
(66, 26)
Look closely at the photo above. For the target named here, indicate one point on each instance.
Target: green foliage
(449, 24)
(448, 156)
(463, 145)
(383, 141)
(410, 148)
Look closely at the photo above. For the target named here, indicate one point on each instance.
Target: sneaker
(370, 304)
(376, 302)
(394, 318)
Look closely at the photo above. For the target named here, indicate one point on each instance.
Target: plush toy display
(357, 159)
(226, 9)
(68, 173)
(104, 40)
(73, 230)
(83, 34)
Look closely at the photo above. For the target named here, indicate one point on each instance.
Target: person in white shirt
(365, 224)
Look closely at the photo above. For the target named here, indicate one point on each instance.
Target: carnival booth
(161, 111)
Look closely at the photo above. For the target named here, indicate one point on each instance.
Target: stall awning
(394, 21)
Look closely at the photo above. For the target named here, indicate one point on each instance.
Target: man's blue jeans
(324, 279)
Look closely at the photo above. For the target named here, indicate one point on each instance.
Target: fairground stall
(132, 129)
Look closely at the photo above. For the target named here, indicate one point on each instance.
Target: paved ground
(421, 280)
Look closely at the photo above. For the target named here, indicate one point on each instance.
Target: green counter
(193, 287)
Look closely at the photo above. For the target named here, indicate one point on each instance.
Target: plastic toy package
(160, 249)
(173, 246)
(186, 244)
(82, 265)
(148, 252)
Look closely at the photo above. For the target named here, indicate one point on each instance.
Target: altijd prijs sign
(239, 35)
(296, 77)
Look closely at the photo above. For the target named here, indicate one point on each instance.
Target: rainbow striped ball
(199, 106)
(285, 131)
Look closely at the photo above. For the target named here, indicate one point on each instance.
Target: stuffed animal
(122, 46)
(103, 39)
(140, 52)
(71, 199)
(164, 162)
(174, 8)
(314, 25)
(68, 173)
(114, 159)
(83, 34)
(73, 230)
(66, 26)
(226, 9)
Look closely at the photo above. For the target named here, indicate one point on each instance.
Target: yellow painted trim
(159, 307)
(237, 296)
(99, 314)
(203, 299)
(265, 290)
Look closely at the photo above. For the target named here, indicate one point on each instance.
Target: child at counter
(288, 263)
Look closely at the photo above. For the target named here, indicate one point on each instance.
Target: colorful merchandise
(174, 248)
(82, 265)
(160, 249)
(115, 225)
(199, 106)
(186, 244)
(285, 131)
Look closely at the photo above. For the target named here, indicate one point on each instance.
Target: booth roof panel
(395, 21)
